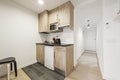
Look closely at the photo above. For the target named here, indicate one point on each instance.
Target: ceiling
(34, 6)
(86, 14)
(49, 4)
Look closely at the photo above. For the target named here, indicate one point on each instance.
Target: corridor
(87, 68)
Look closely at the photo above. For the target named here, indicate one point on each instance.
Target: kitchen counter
(50, 54)
(47, 44)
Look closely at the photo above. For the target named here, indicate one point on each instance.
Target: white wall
(90, 39)
(108, 41)
(78, 43)
(99, 45)
(78, 37)
(111, 40)
(18, 33)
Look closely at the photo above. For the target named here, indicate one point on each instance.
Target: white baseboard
(89, 51)
(77, 60)
(105, 77)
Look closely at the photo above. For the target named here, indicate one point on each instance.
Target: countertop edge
(54, 44)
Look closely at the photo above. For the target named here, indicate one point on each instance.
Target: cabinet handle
(58, 22)
(57, 16)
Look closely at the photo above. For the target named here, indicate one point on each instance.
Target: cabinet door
(66, 14)
(49, 57)
(53, 16)
(40, 53)
(43, 22)
(69, 60)
(60, 58)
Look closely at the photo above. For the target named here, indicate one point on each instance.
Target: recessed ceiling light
(88, 27)
(41, 2)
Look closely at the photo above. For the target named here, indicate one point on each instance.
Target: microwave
(53, 27)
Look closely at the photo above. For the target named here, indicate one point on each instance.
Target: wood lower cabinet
(43, 22)
(64, 59)
(40, 53)
(60, 58)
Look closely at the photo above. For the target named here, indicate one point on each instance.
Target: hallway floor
(21, 76)
(87, 68)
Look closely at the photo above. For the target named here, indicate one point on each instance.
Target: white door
(90, 39)
(49, 57)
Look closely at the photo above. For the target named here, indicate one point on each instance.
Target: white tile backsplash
(43, 37)
(66, 36)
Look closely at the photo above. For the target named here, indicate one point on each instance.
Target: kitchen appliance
(54, 40)
(58, 41)
(49, 57)
(54, 26)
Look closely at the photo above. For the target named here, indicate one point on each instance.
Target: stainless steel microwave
(53, 27)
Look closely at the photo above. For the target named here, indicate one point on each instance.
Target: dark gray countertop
(47, 44)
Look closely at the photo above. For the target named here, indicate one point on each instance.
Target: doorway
(90, 39)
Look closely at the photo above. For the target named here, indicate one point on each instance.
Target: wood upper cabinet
(64, 59)
(43, 22)
(66, 15)
(40, 53)
(53, 16)
(62, 15)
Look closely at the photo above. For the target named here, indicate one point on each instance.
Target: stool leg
(11, 66)
(15, 68)
(8, 71)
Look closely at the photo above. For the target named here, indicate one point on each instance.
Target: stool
(10, 61)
